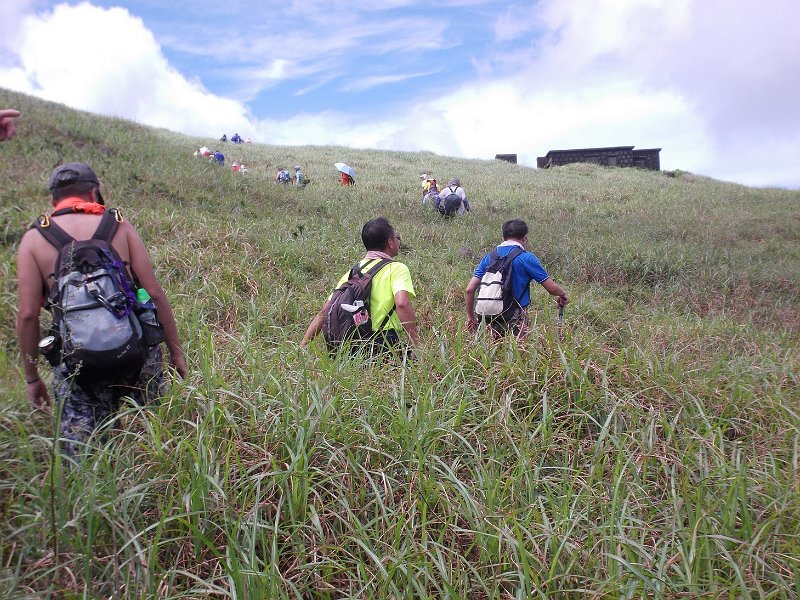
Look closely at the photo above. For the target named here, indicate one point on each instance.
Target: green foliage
(652, 453)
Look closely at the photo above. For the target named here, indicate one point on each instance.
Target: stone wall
(617, 156)
(647, 159)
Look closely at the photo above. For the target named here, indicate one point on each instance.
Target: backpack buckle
(118, 215)
(44, 220)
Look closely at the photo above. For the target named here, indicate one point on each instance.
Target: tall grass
(655, 452)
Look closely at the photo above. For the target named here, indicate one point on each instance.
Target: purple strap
(122, 276)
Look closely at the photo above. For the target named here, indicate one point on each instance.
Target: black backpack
(451, 203)
(495, 298)
(347, 318)
(93, 302)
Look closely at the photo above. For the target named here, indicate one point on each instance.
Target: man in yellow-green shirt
(391, 288)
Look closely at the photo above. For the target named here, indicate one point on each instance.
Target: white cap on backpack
(353, 307)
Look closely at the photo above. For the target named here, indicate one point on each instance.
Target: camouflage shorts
(86, 406)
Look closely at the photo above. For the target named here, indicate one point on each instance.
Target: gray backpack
(93, 303)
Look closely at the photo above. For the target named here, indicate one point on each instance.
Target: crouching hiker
(502, 280)
(109, 311)
(371, 305)
(452, 200)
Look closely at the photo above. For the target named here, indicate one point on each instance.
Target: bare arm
(408, 318)
(143, 267)
(469, 302)
(7, 127)
(555, 290)
(315, 326)
(29, 285)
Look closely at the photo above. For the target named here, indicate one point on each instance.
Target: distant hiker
(248, 141)
(503, 294)
(242, 168)
(429, 186)
(282, 176)
(348, 173)
(7, 126)
(235, 167)
(110, 348)
(379, 319)
(236, 139)
(452, 200)
(219, 157)
(430, 190)
(299, 179)
(224, 138)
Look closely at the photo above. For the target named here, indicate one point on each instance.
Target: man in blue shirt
(525, 268)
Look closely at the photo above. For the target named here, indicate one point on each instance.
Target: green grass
(654, 453)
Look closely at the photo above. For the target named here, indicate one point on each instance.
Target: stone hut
(616, 156)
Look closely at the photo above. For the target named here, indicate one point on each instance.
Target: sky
(713, 83)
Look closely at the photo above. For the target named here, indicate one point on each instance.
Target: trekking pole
(561, 323)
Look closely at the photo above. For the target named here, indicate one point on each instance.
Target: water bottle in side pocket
(152, 332)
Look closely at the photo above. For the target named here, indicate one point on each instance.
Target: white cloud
(726, 61)
(275, 69)
(514, 22)
(365, 83)
(107, 62)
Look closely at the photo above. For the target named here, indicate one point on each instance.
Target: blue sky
(711, 82)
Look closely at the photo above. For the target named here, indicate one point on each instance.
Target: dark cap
(70, 173)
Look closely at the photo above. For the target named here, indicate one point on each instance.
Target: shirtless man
(78, 208)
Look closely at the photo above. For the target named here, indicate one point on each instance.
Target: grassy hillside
(654, 452)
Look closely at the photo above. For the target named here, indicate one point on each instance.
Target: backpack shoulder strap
(106, 231)
(109, 223)
(52, 232)
(378, 266)
(59, 238)
(515, 253)
(386, 318)
(373, 270)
